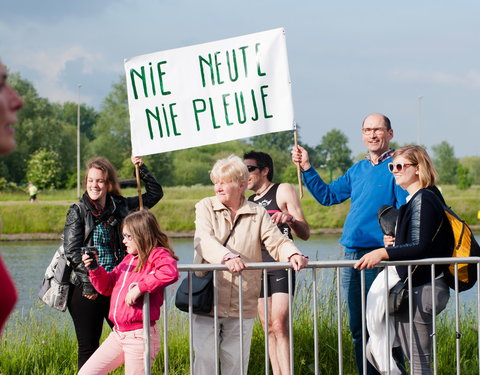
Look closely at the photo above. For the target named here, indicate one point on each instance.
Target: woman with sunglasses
(422, 231)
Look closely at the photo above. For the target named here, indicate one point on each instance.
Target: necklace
(264, 190)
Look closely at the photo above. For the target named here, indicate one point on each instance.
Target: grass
(42, 342)
(177, 209)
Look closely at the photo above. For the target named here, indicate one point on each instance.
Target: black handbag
(202, 290)
(398, 297)
(202, 294)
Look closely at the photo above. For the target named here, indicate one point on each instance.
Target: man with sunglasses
(369, 185)
(283, 204)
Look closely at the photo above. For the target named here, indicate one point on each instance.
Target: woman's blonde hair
(147, 235)
(417, 155)
(109, 173)
(230, 169)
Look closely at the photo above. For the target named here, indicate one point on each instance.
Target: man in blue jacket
(369, 185)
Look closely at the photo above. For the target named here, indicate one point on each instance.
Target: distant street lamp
(419, 119)
(78, 143)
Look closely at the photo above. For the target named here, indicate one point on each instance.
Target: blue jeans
(351, 284)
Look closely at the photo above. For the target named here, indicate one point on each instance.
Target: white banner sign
(209, 93)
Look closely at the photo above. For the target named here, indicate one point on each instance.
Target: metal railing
(313, 267)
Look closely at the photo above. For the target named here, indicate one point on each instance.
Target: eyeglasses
(398, 166)
(369, 131)
(127, 237)
(251, 168)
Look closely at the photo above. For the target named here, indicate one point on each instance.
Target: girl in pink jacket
(150, 266)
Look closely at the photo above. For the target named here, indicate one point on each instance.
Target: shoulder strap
(234, 224)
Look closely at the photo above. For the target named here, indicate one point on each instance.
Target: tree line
(46, 135)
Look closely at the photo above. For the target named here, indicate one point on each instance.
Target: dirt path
(13, 203)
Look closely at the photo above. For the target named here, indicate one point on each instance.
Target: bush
(44, 169)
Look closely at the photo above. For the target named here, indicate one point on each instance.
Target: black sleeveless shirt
(269, 202)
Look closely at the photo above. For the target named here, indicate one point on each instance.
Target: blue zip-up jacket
(369, 187)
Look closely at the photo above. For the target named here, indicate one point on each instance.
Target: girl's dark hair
(147, 235)
(110, 174)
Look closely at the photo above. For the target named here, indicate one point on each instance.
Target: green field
(176, 211)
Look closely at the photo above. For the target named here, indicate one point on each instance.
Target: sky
(418, 62)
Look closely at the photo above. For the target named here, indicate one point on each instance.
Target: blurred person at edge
(10, 103)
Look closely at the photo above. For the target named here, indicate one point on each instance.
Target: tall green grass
(39, 343)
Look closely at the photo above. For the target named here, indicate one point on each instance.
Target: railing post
(240, 318)
(339, 323)
(364, 326)
(190, 321)
(457, 320)
(146, 332)
(290, 319)
(410, 318)
(215, 323)
(315, 320)
(478, 316)
(434, 322)
(387, 321)
(266, 320)
(165, 334)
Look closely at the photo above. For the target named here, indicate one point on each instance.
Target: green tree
(68, 112)
(44, 169)
(112, 129)
(38, 127)
(473, 165)
(445, 162)
(192, 166)
(463, 177)
(282, 141)
(333, 152)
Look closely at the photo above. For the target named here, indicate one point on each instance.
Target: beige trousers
(229, 345)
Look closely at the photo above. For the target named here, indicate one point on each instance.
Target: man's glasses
(251, 168)
(398, 166)
(369, 131)
(127, 237)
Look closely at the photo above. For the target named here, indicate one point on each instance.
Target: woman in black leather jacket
(422, 231)
(96, 221)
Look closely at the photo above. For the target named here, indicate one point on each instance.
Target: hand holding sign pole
(137, 161)
(299, 173)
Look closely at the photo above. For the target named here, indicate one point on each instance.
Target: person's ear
(390, 133)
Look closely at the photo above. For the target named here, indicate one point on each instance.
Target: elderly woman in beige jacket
(252, 227)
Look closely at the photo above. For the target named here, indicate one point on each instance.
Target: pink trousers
(119, 348)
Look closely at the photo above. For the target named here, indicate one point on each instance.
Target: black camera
(91, 251)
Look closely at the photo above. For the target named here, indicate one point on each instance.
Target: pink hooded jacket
(159, 272)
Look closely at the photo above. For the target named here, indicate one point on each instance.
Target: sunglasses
(251, 168)
(398, 166)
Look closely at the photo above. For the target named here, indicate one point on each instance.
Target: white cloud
(52, 63)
